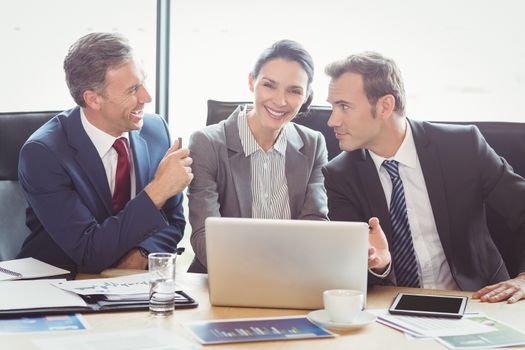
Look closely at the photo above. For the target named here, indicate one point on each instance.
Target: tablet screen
(429, 305)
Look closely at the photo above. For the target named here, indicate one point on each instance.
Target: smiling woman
(281, 84)
(279, 92)
(257, 163)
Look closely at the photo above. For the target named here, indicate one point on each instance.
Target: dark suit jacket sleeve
(166, 240)
(503, 190)
(343, 202)
(342, 206)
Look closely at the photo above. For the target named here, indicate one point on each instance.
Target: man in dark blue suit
(93, 204)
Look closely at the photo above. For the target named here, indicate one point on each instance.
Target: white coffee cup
(343, 305)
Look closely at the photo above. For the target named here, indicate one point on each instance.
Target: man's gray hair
(88, 60)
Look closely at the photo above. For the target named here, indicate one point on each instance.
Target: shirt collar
(406, 154)
(249, 144)
(103, 141)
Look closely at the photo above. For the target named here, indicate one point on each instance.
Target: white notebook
(28, 268)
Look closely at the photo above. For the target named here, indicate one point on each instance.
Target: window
(460, 60)
(36, 35)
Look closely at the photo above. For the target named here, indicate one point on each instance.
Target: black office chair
(15, 129)
(507, 139)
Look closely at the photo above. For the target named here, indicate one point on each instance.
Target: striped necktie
(403, 254)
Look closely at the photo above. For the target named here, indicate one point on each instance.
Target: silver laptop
(283, 263)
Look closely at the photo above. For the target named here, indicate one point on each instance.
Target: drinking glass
(161, 268)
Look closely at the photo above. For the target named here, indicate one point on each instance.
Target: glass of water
(161, 268)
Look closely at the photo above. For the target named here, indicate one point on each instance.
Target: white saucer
(321, 318)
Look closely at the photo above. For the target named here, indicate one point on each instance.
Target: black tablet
(429, 305)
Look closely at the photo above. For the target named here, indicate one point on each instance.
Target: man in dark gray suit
(427, 184)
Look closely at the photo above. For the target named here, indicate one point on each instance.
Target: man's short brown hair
(381, 76)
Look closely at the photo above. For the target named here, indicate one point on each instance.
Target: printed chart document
(431, 326)
(43, 324)
(125, 285)
(131, 286)
(118, 293)
(144, 339)
(28, 268)
(256, 329)
(38, 297)
(503, 335)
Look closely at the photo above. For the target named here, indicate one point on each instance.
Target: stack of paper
(473, 331)
(125, 293)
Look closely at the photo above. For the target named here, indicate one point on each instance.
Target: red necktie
(122, 192)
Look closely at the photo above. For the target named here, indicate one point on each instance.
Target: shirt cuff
(143, 251)
(384, 274)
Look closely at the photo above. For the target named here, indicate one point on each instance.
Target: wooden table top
(373, 336)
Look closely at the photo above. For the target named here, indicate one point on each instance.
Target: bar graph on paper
(255, 329)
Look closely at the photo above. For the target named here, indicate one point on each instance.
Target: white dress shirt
(270, 199)
(433, 267)
(103, 142)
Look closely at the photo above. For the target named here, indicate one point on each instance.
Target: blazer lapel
(374, 191)
(141, 159)
(87, 157)
(432, 172)
(239, 165)
(296, 170)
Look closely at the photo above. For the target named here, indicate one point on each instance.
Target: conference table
(373, 336)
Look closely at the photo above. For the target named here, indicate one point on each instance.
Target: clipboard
(99, 303)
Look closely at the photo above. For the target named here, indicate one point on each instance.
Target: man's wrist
(155, 195)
